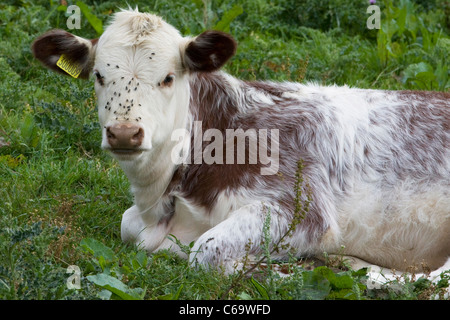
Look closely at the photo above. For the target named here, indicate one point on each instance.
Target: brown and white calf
(376, 163)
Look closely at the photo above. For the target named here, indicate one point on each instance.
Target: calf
(375, 165)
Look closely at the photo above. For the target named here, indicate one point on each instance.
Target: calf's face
(141, 67)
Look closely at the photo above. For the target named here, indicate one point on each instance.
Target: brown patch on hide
(438, 102)
(424, 120)
(214, 102)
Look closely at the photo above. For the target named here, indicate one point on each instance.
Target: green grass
(63, 197)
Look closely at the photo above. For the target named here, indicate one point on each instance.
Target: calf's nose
(124, 136)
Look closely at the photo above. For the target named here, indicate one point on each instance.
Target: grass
(63, 197)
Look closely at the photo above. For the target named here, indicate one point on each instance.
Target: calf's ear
(78, 53)
(209, 51)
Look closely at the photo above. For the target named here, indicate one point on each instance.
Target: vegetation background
(62, 197)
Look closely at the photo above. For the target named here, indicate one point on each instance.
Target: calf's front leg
(239, 235)
(142, 229)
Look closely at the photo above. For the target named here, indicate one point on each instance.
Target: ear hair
(49, 47)
(209, 51)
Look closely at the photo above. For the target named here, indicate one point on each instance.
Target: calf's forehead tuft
(130, 28)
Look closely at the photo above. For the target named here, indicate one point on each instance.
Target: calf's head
(141, 67)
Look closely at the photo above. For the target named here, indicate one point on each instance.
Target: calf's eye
(168, 79)
(99, 77)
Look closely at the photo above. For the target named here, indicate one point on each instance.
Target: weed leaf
(172, 296)
(315, 285)
(116, 286)
(97, 248)
(95, 22)
(261, 289)
(228, 17)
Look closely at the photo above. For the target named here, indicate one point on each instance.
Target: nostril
(138, 136)
(109, 133)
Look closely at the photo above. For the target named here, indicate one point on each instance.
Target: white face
(141, 66)
(141, 88)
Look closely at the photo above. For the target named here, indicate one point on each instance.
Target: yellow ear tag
(68, 66)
